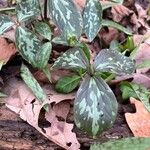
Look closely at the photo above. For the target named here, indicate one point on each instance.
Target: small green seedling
(95, 105)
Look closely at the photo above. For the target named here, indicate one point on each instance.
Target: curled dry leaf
(22, 101)
(119, 12)
(6, 50)
(139, 122)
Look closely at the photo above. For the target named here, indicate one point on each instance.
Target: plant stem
(7, 9)
(45, 10)
(109, 78)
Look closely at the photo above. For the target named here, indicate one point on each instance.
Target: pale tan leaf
(22, 101)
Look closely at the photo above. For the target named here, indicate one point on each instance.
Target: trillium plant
(95, 105)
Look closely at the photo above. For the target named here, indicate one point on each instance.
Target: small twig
(7, 9)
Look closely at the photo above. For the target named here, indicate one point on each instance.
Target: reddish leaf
(6, 50)
(139, 122)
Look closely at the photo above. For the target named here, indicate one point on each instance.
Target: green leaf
(92, 18)
(74, 58)
(60, 40)
(28, 44)
(27, 9)
(128, 45)
(86, 50)
(43, 29)
(67, 84)
(137, 91)
(47, 73)
(5, 23)
(114, 62)
(67, 17)
(124, 144)
(71, 41)
(95, 106)
(108, 5)
(32, 83)
(42, 56)
(109, 23)
(118, 1)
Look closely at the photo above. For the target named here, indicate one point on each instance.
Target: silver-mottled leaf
(74, 58)
(43, 29)
(33, 84)
(28, 44)
(27, 9)
(66, 16)
(95, 106)
(43, 55)
(92, 18)
(113, 61)
(60, 40)
(5, 23)
(109, 23)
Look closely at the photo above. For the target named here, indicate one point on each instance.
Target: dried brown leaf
(22, 101)
(139, 122)
(6, 50)
(119, 12)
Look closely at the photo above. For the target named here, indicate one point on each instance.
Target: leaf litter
(22, 101)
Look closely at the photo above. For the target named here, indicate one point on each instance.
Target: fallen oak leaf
(22, 101)
(139, 122)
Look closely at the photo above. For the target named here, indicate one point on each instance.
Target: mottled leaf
(66, 16)
(95, 106)
(27, 9)
(43, 54)
(43, 29)
(60, 40)
(33, 84)
(109, 23)
(28, 44)
(124, 144)
(114, 62)
(137, 91)
(74, 58)
(92, 18)
(5, 23)
(67, 84)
